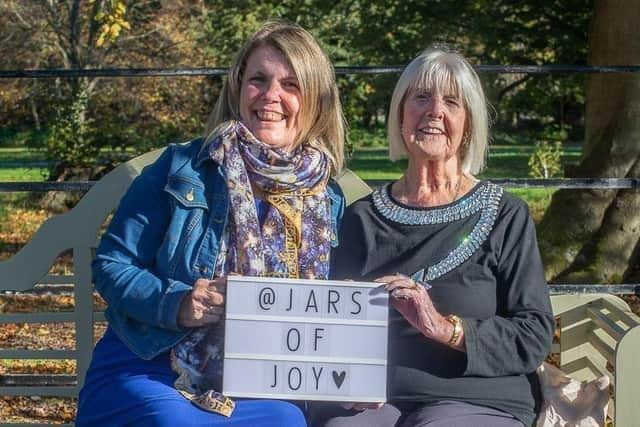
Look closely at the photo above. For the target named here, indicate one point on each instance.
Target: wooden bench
(599, 332)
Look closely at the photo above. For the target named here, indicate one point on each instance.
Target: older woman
(254, 188)
(472, 318)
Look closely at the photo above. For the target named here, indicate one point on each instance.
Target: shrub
(545, 161)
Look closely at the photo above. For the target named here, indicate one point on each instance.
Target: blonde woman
(231, 202)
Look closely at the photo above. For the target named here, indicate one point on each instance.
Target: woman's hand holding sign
(204, 304)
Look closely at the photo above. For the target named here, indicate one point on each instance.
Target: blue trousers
(124, 390)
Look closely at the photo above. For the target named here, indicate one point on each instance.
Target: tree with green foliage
(198, 33)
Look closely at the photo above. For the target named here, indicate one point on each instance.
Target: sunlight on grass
(21, 174)
(537, 198)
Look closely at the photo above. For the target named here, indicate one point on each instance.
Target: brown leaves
(19, 225)
(28, 303)
(49, 367)
(39, 409)
(38, 336)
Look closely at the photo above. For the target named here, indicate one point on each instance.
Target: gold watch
(457, 329)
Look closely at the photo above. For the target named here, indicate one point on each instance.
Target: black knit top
(481, 256)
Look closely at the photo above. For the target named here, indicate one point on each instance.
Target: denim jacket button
(190, 195)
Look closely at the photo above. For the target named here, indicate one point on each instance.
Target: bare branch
(165, 47)
(139, 36)
(53, 20)
(18, 15)
(94, 25)
(63, 53)
(512, 86)
(74, 33)
(8, 38)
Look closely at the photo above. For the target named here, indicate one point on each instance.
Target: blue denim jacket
(164, 236)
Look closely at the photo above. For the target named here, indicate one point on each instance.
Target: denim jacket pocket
(188, 193)
(189, 205)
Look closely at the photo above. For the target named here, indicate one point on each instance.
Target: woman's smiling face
(270, 98)
(433, 125)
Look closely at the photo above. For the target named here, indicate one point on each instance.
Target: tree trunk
(579, 222)
(610, 255)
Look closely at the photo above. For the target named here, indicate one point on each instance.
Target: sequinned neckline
(402, 214)
(484, 198)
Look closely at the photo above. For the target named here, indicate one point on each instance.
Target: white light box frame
(305, 339)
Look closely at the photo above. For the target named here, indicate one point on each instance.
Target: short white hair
(447, 73)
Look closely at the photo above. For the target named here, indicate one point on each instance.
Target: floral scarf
(292, 241)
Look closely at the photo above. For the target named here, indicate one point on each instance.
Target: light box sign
(305, 339)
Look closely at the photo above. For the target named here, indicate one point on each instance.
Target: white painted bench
(597, 330)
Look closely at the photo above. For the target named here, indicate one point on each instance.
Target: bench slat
(55, 279)
(45, 317)
(50, 317)
(602, 321)
(605, 349)
(55, 391)
(602, 372)
(38, 354)
(26, 380)
(628, 318)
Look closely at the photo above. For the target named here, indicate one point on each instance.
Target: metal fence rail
(221, 71)
(570, 183)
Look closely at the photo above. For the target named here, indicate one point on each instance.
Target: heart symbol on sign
(338, 378)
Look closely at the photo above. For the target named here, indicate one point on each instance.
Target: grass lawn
(21, 164)
(11, 173)
(505, 161)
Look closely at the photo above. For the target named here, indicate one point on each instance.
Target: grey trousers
(441, 414)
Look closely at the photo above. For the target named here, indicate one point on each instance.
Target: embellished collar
(462, 208)
(485, 198)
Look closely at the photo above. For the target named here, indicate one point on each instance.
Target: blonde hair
(320, 118)
(443, 72)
